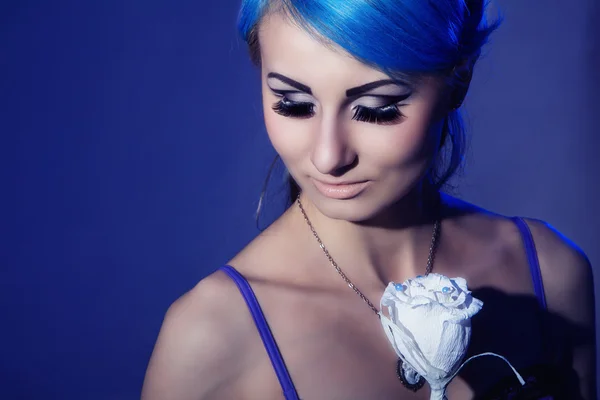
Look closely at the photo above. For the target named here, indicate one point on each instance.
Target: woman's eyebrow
(289, 81)
(350, 93)
(359, 90)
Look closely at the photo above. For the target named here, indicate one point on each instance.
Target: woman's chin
(360, 208)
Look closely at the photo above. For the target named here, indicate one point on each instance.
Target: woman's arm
(569, 288)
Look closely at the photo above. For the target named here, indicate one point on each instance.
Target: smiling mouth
(340, 191)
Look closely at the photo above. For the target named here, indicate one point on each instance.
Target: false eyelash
(292, 109)
(381, 115)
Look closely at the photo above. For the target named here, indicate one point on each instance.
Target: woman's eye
(294, 109)
(380, 115)
(377, 115)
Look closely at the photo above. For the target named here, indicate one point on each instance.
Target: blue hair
(398, 37)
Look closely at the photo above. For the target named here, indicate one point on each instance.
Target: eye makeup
(379, 109)
(293, 109)
(381, 115)
(289, 107)
(387, 113)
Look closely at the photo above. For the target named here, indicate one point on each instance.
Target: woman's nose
(332, 152)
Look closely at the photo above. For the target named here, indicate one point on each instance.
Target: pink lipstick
(340, 191)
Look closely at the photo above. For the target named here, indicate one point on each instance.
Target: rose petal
(459, 283)
(452, 347)
(407, 348)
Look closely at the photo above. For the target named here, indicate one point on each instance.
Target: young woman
(361, 102)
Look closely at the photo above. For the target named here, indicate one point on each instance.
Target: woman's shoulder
(565, 269)
(549, 242)
(566, 273)
(208, 341)
(202, 342)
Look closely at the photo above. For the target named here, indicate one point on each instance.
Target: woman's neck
(390, 247)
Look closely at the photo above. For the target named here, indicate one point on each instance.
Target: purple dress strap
(289, 391)
(532, 259)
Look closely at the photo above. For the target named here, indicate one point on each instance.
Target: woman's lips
(340, 191)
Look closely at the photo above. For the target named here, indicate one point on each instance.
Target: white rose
(429, 326)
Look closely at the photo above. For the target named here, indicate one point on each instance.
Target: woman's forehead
(289, 49)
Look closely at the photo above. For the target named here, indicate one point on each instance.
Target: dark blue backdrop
(133, 154)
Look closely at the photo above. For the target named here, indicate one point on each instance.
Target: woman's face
(355, 141)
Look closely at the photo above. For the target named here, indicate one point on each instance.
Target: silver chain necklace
(436, 230)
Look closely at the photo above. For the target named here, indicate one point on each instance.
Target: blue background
(133, 153)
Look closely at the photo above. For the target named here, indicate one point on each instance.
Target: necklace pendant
(409, 377)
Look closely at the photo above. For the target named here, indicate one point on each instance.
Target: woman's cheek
(397, 144)
(289, 137)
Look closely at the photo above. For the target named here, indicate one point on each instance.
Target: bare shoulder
(201, 345)
(566, 272)
(568, 284)
(208, 341)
